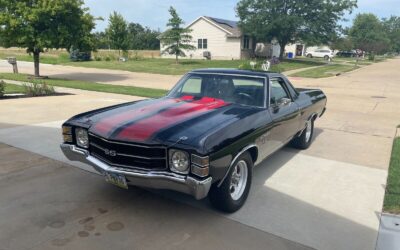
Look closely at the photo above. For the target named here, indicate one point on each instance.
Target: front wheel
(233, 192)
(326, 58)
(304, 140)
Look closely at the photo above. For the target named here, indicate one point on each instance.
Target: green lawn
(153, 65)
(325, 71)
(13, 88)
(92, 86)
(169, 67)
(392, 196)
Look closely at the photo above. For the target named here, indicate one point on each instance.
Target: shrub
(371, 56)
(136, 56)
(2, 88)
(246, 66)
(38, 89)
(98, 58)
(108, 58)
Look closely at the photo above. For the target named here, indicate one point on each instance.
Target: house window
(246, 42)
(202, 43)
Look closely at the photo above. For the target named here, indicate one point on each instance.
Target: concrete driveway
(327, 197)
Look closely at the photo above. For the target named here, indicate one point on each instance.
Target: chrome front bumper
(151, 179)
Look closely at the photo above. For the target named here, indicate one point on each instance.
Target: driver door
(284, 111)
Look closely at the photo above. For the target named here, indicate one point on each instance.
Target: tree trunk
(282, 50)
(177, 52)
(36, 55)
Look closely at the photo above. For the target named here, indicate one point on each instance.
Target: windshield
(230, 88)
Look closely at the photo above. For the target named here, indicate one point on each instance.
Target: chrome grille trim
(124, 167)
(134, 165)
(126, 155)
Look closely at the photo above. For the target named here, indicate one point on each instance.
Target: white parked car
(321, 53)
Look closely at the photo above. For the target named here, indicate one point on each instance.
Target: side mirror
(284, 101)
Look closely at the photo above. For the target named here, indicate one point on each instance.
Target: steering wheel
(245, 96)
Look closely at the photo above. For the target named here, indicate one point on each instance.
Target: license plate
(116, 179)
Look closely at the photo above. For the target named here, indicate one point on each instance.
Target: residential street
(327, 197)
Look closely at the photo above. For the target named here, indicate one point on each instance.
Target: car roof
(236, 72)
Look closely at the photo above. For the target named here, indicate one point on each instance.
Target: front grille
(128, 155)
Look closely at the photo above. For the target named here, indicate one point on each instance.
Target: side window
(192, 86)
(291, 89)
(246, 42)
(202, 43)
(205, 45)
(278, 91)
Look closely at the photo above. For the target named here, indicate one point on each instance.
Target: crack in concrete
(355, 132)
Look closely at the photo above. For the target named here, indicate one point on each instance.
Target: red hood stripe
(145, 128)
(106, 125)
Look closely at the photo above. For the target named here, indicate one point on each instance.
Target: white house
(222, 38)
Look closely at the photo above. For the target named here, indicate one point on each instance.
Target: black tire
(221, 197)
(309, 56)
(304, 141)
(326, 58)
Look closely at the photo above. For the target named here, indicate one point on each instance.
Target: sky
(154, 13)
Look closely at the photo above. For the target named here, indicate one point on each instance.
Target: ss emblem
(110, 152)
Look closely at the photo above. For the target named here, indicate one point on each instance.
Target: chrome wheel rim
(238, 180)
(308, 131)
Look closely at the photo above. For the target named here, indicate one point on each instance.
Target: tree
(41, 24)
(117, 32)
(140, 37)
(289, 21)
(392, 29)
(368, 34)
(176, 39)
(101, 40)
(343, 43)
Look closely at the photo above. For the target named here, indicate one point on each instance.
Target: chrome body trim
(234, 159)
(151, 179)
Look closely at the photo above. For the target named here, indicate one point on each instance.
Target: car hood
(158, 121)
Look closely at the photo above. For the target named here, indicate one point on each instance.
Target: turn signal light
(200, 171)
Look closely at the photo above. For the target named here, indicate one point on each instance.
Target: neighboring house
(222, 38)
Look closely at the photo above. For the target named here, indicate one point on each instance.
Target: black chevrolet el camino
(202, 139)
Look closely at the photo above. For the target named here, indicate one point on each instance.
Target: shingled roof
(230, 27)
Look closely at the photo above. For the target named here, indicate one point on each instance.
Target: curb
(388, 237)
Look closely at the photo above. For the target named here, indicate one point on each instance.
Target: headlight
(82, 139)
(179, 161)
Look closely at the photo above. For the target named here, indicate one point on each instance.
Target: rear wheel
(326, 58)
(233, 192)
(309, 56)
(304, 140)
